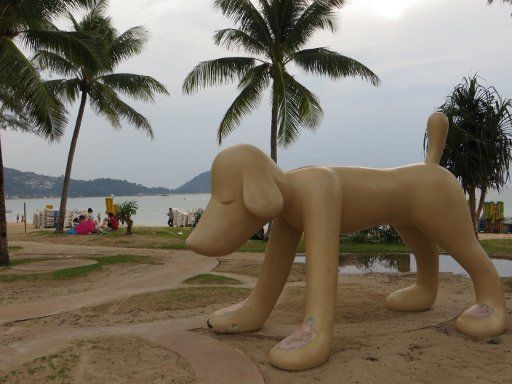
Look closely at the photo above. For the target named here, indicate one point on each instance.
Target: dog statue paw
(423, 202)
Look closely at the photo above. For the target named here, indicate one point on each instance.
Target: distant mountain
(199, 184)
(29, 184)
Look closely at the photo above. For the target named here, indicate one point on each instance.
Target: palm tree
(478, 147)
(25, 102)
(275, 34)
(28, 23)
(505, 1)
(14, 116)
(100, 84)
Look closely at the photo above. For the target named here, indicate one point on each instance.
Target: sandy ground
(103, 343)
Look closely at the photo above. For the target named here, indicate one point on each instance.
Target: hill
(29, 184)
(199, 184)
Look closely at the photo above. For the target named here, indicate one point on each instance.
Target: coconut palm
(28, 24)
(100, 84)
(25, 101)
(274, 34)
(478, 147)
(9, 117)
(505, 1)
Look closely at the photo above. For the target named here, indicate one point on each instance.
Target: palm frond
(218, 71)
(53, 62)
(322, 61)
(106, 102)
(19, 75)
(298, 108)
(282, 15)
(252, 86)
(76, 46)
(235, 38)
(128, 44)
(320, 14)
(31, 13)
(64, 88)
(12, 113)
(245, 14)
(138, 87)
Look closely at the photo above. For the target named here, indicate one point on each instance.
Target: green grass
(210, 279)
(174, 238)
(72, 273)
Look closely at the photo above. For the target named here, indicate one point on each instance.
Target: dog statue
(423, 202)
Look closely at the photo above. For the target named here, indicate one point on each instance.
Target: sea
(152, 209)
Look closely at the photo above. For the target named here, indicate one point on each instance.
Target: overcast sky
(420, 49)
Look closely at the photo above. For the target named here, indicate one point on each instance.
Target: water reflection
(366, 263)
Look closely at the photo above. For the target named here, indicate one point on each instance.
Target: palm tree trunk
(273, 130)
(472, 207)
(69, 165)
(4, 250)
(481, 201)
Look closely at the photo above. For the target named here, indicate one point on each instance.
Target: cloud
(420, 56)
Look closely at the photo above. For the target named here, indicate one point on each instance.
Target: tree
(100, 84)
(275, 34)
(126, 211)
(505, 1)
(478, 147)
(25, 101)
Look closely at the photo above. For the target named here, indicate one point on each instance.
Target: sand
(103, 343)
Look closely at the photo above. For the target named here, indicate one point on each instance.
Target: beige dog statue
(248, 189)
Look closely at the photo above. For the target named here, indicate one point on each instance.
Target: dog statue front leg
(251, 314)
(309, 346)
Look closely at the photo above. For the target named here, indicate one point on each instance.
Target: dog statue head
(247, 191)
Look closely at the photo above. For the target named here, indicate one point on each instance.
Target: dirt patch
(20, 291)
(105, 361)
(167, 304)
(373, 344)
(249, 267)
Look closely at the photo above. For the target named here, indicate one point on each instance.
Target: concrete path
(213, 362)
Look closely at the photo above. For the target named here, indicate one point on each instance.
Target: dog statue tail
(437, 130)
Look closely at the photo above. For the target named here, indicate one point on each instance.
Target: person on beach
(18, 218)
(170, 222)
(113, 223)
(99, 218)
(90, 215)
(85, 226)
(22, 218)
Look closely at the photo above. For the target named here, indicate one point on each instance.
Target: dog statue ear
(262, 196)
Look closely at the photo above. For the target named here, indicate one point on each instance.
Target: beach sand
(104, 335)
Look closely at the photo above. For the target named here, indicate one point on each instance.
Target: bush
(378, 234)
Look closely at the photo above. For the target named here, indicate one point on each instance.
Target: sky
(419, 48)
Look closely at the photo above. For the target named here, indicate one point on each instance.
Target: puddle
(359, 264)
